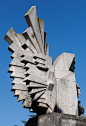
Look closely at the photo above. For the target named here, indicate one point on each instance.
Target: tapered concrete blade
(32, 20)
(41, 25)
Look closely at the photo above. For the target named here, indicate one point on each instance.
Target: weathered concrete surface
(57, 119)
(67, 99)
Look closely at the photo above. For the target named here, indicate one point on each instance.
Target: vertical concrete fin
(47, 49)
(41, 24)
(45, 35)
(32, 21)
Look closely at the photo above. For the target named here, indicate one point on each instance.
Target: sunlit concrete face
(66, 84)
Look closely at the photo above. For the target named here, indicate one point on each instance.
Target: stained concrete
(57, 119)
(67, 99)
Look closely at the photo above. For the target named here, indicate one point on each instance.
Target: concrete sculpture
(44, 87)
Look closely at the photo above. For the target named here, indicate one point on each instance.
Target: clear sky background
(65, 24)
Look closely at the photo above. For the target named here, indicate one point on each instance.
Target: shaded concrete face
(56, 119)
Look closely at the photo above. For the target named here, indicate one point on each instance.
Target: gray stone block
(56, 119)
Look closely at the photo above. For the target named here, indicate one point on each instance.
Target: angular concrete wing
(32, 70)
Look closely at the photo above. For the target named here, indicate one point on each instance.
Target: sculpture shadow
(57, 109)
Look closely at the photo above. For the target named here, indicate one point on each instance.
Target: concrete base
(57, 119)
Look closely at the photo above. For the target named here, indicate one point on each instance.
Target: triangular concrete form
(64, 61)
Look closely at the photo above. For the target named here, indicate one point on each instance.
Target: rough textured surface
(32, 70)
(57, 119)
(66, 84)
(44, 87)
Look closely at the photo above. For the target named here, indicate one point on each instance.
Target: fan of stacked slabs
(31, 66)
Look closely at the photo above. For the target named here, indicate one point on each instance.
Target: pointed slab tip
(27, 102)
(30, 10)
(7, 36)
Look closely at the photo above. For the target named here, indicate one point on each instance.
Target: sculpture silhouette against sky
(44, 87)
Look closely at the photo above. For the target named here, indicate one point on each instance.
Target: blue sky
(65, 24)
